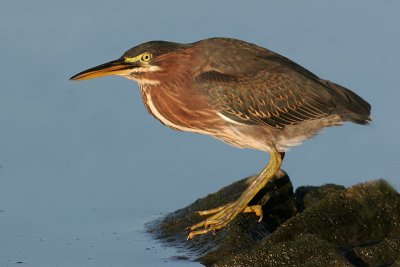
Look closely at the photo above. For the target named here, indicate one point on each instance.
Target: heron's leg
(212, 211)
(257, 209)
(226, 213)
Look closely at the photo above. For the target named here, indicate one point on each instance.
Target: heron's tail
(350, 105)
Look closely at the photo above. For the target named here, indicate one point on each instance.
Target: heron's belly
(265, 138)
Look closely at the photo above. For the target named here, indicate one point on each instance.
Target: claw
(197, 232)
(257, 209)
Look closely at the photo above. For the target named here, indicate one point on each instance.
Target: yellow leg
(221, 216)
(212, 211)
(257, 209)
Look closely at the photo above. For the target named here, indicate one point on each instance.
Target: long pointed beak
(115, 67)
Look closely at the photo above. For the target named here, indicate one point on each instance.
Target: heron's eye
(146, 57)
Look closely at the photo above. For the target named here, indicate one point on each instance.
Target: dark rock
(277, 199)
(336, 227)
(308, 196)
(383, 253)
(303, 250)
(362, 213)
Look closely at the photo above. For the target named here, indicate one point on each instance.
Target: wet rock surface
(327, 225)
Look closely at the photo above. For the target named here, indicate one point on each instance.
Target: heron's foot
(220, 217)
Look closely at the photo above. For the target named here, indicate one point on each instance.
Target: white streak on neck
(145, 69)
(145, 82)
(142, 81)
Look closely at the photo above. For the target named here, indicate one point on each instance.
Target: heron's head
(144, 63)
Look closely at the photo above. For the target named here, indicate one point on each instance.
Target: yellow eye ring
(146, 57)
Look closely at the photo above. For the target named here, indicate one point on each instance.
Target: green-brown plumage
(279, 93)
(238, 92)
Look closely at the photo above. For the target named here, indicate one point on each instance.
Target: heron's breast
(180, 111)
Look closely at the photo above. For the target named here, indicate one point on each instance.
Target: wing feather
(276, 99)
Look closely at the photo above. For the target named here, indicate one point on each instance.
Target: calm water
(83, 166)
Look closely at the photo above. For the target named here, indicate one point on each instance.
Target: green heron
(238, 92)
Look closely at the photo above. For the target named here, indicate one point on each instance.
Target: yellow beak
(115, 67)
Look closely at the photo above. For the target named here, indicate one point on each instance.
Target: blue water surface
(83, 166)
